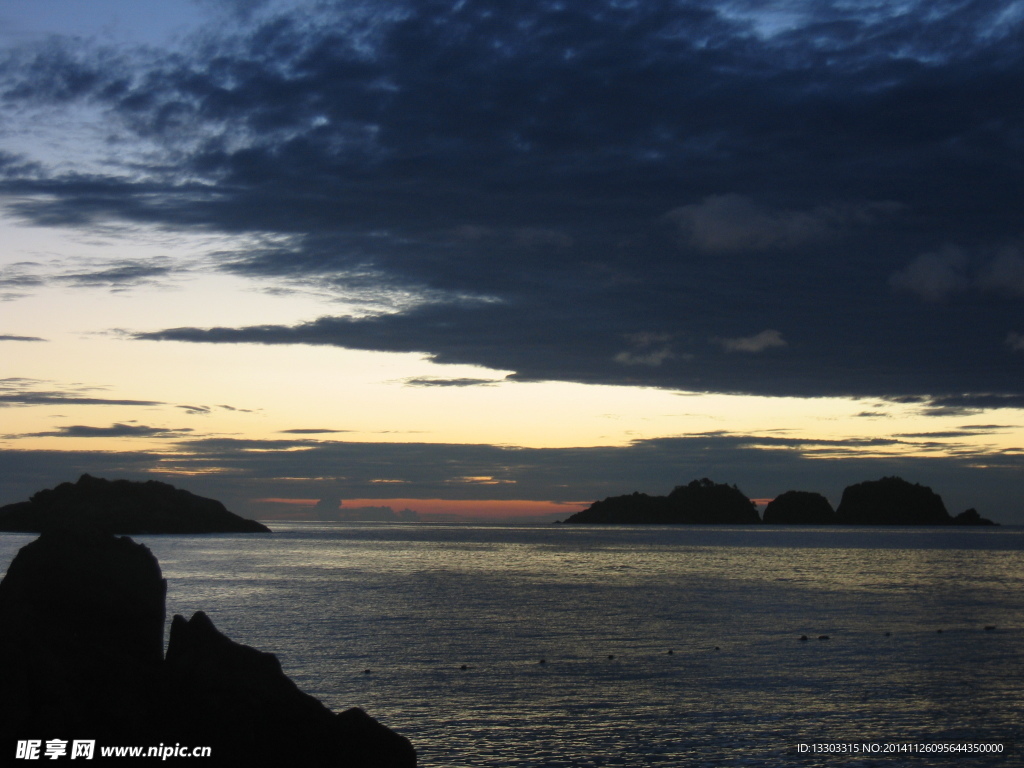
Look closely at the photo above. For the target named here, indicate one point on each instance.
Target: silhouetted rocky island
(700, 502)
(81, 657)
(894, 501)
(889, 501)
(123, 507)
(799, 508)
(971, 517)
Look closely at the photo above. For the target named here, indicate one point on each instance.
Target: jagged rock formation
(700, 502)
(123, 507)
(799, 508)
(233, 695)
(81, 657)
(891, 501)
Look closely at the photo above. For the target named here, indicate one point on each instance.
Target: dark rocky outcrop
(237, 699)
(81, 657)
(81, 639)
(799, 508)
(971, 517)
(891, 501)
(123, 507)
(634, 508)
(703, 501)
(699, 502)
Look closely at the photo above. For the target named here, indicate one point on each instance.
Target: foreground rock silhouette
(123, 507)
(81, 657)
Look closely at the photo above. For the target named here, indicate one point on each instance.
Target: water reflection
(414, 604)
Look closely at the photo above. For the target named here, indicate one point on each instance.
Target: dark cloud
(205, 410)
(968, 404)
(115, 430)
(961, 433)
(7, 337)
(12, 165)
(537, 187)
(18, 280)
(555, 343)
(241, 9)
(312, 431)
(20, 391)
(117, 276)
(456, 471)
(242, 471)
(734, 223)
(197, 410)
(933, 276)
(428, 381)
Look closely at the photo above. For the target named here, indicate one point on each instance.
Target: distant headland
(123, 507)
(888, 501)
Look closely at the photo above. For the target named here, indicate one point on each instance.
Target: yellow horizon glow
(309, 395)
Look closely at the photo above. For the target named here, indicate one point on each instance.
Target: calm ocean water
(452, 622)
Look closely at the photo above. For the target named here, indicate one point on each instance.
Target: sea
(542, 646)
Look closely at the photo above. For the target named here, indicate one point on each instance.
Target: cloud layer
(681, 194)
(239, 471)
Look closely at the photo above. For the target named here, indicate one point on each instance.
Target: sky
(493, 260)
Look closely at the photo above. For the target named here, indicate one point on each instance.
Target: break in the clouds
(533, 186)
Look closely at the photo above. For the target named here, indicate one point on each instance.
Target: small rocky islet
(888, 501)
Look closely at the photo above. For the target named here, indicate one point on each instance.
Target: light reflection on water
(414, 603)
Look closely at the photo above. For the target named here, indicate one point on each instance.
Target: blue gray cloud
(114, 430)
(826, 204)
(27, 392)
(115, 276)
